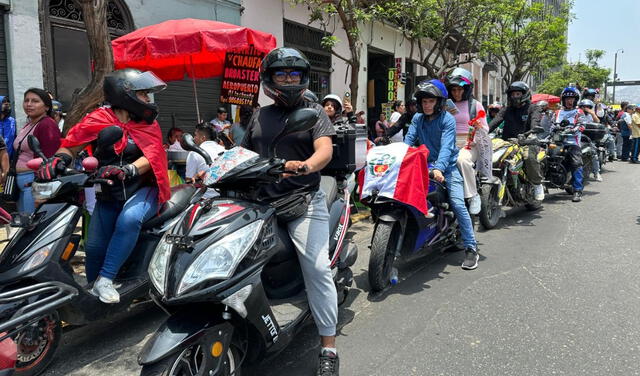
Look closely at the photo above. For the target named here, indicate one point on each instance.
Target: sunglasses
(282, 75)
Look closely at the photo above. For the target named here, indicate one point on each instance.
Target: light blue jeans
(25, 203)
(114, 231)
(454, 182)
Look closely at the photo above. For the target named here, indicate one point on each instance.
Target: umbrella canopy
(192, 47)
(551, 99)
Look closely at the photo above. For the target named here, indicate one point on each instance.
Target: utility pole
(615, 73)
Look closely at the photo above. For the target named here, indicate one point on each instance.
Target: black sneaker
(577, 196)
(470, 259)
(329, 364)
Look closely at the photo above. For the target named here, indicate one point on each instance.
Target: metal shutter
(177, 104)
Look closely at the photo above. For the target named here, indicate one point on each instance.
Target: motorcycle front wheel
(383, 252)
(490, 206)
(191, 361)
(37, 345)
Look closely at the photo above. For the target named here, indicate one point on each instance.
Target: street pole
(615, 73)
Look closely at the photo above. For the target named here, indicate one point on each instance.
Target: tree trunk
(95, 20)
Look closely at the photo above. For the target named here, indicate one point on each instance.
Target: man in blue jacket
(7, 124)
(436, 129)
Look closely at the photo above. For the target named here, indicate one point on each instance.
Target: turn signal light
(552, 146)
(67, 251)
(216, 349)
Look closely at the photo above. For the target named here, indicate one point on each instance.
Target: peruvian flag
(399, 172)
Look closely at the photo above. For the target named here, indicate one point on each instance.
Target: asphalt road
(556, 293)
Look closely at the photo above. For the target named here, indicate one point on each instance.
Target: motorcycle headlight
(220, 260)
(44, 244)
(158, 265)
(45, 191)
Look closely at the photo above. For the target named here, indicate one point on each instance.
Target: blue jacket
(8, 131)
(439, 136)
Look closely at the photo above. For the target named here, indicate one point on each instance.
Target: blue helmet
(570, 92)
(431, 89)
(589, 93)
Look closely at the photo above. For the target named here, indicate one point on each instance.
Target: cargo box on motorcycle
(343, 160)
(595, 131)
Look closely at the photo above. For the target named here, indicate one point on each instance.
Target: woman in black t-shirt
(285, 77)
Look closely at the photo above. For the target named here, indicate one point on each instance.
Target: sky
(607, 25)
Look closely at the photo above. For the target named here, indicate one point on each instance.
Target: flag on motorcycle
(399, 172)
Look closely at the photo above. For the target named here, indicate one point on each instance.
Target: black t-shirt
(265, 125)
(121, 190)
(516, 120)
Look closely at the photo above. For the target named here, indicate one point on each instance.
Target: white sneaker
(538, 192)
(598, 177)
(103, 289)
(474, 204)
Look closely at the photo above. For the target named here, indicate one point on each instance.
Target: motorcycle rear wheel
(383, 252)
(189, 362)
(490, 206)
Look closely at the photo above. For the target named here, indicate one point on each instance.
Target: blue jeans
(25, 198)
(455, 185)
(577, 179)
(114, 231)
(635, 149)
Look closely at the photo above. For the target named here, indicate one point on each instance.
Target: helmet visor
(146, 81)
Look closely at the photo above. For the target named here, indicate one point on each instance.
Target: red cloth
(148, 137)
(48, 133)
(412, 186)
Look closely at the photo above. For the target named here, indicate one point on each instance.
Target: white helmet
(334, 98)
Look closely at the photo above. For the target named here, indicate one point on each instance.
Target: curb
(362, 215)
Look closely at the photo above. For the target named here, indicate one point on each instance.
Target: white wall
(24, 58)
(149, 12)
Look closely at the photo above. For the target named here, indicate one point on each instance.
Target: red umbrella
(551, 99)
(192, 47)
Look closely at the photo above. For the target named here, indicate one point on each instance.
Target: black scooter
(228, 274)
(46, 241)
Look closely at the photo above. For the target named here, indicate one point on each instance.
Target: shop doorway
(378, 64)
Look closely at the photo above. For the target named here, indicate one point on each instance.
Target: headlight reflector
(158, 265)
(220, 260)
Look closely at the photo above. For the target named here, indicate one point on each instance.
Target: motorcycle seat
(179, 201)
(330, 188)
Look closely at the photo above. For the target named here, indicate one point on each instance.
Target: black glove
(115, 172)
(53, 167)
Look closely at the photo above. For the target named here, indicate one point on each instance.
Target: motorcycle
(402, 230)
(599, 135)
(509, 185)
(556, 169)
(227, 273)
(24, 307)
(42, 248)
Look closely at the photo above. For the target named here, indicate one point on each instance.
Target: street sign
(623, 83)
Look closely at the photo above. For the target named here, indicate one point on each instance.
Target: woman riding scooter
(137, 166)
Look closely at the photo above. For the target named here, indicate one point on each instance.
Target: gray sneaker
(471, 258)
(475, 204)
(103, 288)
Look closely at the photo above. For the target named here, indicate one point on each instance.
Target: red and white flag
(399, 172)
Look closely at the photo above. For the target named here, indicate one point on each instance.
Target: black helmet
(524, 99)
(463, 78)
(285, 58)
(120, 91)
(431, 89)
(310, 96)
(589, 94)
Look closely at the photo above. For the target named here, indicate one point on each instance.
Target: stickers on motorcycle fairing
(228, 161)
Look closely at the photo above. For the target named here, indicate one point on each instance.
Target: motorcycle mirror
(34, 145)
(187, 143)
(300, 120)
(107, 137)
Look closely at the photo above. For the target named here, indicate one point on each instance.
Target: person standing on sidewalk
(635, 135)
(624, 124)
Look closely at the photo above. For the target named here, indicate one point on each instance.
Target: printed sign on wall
(241, 78)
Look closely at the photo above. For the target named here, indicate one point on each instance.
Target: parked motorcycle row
(223, 269)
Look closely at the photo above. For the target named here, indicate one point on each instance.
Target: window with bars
(308, 41)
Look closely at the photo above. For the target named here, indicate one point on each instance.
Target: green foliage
(593, 56)
(584, 75)
(527, 37)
